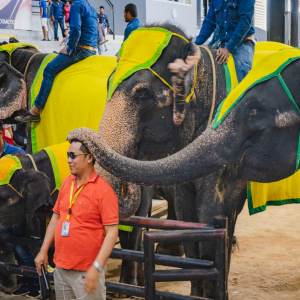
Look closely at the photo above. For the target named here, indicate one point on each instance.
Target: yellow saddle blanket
(269, 60)
(77, 99)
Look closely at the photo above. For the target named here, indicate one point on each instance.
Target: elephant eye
(143, 95)
(254, 112)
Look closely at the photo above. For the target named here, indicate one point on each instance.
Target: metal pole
(276, 20)
(149, 267)
(294, 22)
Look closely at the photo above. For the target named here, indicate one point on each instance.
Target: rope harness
(167, 84)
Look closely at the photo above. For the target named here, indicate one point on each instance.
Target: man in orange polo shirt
(85, 228)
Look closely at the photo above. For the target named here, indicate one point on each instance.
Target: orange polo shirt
(95, 206)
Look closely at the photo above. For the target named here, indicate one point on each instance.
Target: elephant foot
(197, 288)
(174, 249)
(208, 289)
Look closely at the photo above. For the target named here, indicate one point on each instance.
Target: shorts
(44, 22)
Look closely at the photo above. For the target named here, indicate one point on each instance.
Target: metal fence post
(149, 267)
(221, 259)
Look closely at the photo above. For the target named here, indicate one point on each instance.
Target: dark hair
(131, 8)
(66, 28)
(82, 148)
(1, 126)
(102, 6)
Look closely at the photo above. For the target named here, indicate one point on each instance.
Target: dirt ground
(267, 264)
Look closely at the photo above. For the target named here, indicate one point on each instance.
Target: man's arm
(246, 13)
(92, 275)
(208, 27)
(107, 22)
(75, 25)
(41, 10)
(52, 12)
(42, 257)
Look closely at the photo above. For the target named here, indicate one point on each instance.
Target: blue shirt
(44, 6)
(12, 150)
(83, 25)
(57, 10)
(234, 18)
(133, 25)
(103, 19)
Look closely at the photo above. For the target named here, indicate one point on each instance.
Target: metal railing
(187, 268)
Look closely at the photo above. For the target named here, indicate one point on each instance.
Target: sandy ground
(267, 264)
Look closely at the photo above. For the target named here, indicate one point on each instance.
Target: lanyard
(72, 201)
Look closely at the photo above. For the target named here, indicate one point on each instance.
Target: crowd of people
(83, 30)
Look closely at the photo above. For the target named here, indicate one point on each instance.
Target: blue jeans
(243, 59)
(100, 48)
(57, 65)
(59, 21)
(22, 253)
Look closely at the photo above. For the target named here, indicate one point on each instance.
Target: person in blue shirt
(103, 19)
(235, 21)
(130, 16)
(57, 14)
(83, 36)
(43, 15)
(6, 148)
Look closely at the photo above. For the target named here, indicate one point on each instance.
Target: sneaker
(28, 117)
(56, 40)
(23, 290)
(44, 40)
(106, 49)
(34, 291)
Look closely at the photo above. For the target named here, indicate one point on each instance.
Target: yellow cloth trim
(161, 79)
(73, 199)
(59, 162)
(261, 70)
(187, 100)
(140, 51)
(10, 48)
(77, 99)
(8, 165)
(285, 191)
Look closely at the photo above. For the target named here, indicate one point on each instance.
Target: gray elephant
(258, 141)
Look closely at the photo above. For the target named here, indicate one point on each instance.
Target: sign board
(15, 14)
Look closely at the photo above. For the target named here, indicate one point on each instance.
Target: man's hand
(91, 280)
(41, 259)
(222, 55)
(53, 19)
(118, 57)
(64, 51)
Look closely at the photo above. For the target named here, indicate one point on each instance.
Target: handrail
(113, 12)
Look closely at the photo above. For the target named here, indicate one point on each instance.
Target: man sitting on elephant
(82, 44)
(235, 22)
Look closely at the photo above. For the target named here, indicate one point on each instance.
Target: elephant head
(257, 141)
(13, 91)
(144, 114)
(27, 191)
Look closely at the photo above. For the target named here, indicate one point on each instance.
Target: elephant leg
(175, 249)
(210, 205)
(185, 207)
(7, 256)
(132, 272)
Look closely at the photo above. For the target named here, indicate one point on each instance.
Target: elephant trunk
(207, 153)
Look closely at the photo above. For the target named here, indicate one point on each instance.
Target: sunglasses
(73, 155)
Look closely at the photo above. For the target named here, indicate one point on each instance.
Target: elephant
(257, 141)
(144, 120)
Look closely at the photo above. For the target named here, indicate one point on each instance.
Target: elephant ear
(183, 80)
(13, 91)
(35, 190)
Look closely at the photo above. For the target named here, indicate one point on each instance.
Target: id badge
(65, 229)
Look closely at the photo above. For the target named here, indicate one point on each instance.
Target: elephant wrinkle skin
(149, 102)
(13, 87)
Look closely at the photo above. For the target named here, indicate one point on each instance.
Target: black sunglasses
(73, 155)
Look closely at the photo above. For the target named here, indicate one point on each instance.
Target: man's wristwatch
(98, 266)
